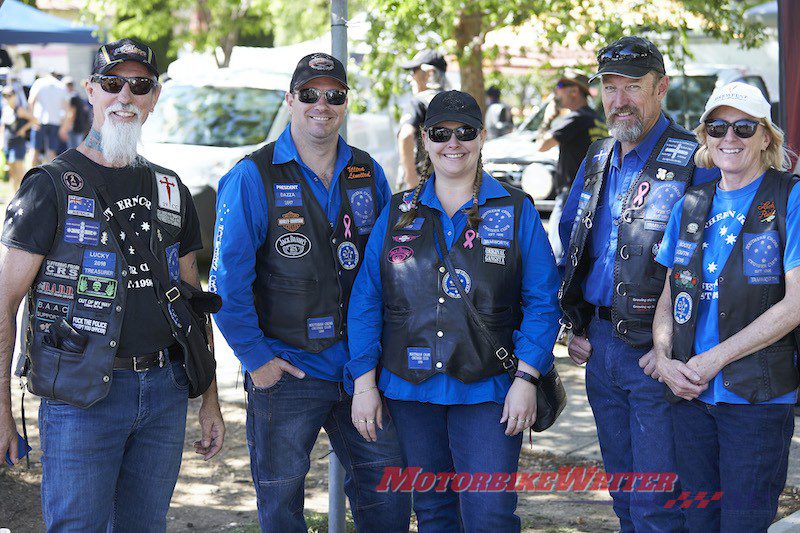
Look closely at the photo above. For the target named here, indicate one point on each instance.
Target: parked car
(203, 125)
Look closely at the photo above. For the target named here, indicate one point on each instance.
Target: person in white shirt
(48, 99)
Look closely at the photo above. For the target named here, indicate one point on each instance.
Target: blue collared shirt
(241, 229)
(602, 241)
(533, 341)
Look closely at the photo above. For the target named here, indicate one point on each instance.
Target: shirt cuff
(255, 357)
(353, 370)
(540, 360)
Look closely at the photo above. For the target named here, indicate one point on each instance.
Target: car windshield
(213, 116)
(686, 100)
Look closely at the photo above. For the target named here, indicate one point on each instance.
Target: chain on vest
(305, 269)
(638, 278)
(751, 282)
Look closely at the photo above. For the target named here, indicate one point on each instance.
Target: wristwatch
(527, 377)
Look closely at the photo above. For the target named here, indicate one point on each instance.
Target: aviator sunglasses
(744, 128)
(311, 95)
(113, 84)
(440, 134)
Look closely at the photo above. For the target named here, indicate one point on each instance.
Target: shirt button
(441, 300)
(119, 309)
(721, 279)
(112, 344)
(124, 273)
(449, 232)
(333, 240)
(442, 269)
(722, 314)
(440, 333)
(726, 383)
(106, 379)
(439, 364)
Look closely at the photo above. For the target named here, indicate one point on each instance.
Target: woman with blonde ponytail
(459, 238)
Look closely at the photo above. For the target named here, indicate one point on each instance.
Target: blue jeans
(113, 466)
(283, 422)
(741, 450)
(633, 427)
(45, 137)
(459, 438)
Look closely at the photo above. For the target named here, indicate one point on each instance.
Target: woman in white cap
(727, 320)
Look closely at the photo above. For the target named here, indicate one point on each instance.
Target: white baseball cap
(741, 96)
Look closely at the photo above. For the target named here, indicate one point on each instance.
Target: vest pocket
(287, 284)
(45, 369)
(504, 317)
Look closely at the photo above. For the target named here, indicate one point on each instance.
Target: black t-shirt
(414, 114)
(32, 219)
(574, 135)
(82, 116)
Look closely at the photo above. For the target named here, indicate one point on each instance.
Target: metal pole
(337, 522)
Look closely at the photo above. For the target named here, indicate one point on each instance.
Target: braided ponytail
(473, 218)
(408, 217)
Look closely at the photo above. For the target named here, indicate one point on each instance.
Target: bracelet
(365, 390)
(530, 378)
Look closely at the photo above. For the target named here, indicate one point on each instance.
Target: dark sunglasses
(626, 53)
(744, 128)
(113, 84)
(311, 95)
(440, 134)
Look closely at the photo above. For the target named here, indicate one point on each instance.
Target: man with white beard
(100, 346)
(611, 228)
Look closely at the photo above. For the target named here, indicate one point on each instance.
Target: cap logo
(129, 48)
(320, 63)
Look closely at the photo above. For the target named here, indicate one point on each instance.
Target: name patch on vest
(762, 257)
(98, 287)
(89, 324)
(90, 304)
(494, 255)
(288, 194)
(682, 311)
(355, 172)
(82, 231)
(348, 255)
(676, 152)
(80, 206)
(50, 311)
(98, 263)
(59, 269)
(662, 197)
(169, 195)
(293, 245)
(320, 328)
(642, 306)
(419, 358)
(497, 226)
(363, 205)
(173, 219)
(684, 251)
(449, 287)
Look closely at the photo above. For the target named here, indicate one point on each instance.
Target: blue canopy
(23, 24)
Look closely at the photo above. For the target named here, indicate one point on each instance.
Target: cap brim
(409, 65)
(455, 117)
(300, 83)
(627, 71)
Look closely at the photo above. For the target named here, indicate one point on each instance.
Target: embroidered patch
(684, 251)
(416, 225)
(78, 231)
(173, 261)
(449, 287)
(99, 263)
(291, 221)
(685, 279)
(59, 290)
(50, 311)
(767, 211)
(90, 325)
(682, 310)
(663, 196)
(762, 257)
(90, 304)
(363, 205)
(59, 269)
(676, 152)
(80, 206)
(497, 224)
(169, 195)
(419, 358)
(355, 172)
(642, 306)
(494, 255)
(400, 254)
(404, 238)
(173, 219)
(293, 245)
(72, 181)
(288, 195)
(320, 328)
(583, 201)
(348, 255)
(319, 62)
(97, 287)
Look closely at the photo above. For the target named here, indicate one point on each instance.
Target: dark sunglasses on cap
(113, 84)
(311, 95)
(743, 128)
(629, 52)
(440, 134)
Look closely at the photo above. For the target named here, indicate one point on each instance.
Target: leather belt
(603, 313)
(152, 360)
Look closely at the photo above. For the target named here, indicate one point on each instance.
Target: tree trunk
(469, 43)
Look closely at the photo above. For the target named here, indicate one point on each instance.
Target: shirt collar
(285, 151)
(643, 149)
(490, 189)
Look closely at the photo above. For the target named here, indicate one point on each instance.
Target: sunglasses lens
(439, 135)
(745, 128)
(309, 95)
(335, 96)
(716, 128)
(466, 133)
(111, 84)
(140, 86)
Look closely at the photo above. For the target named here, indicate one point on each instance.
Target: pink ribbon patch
(469, 236)
(641, 194)
(347, 223)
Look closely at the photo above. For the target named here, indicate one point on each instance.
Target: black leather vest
(305, 269)
(751, 282)
(84, 279)
(638, 278)
(426, 328)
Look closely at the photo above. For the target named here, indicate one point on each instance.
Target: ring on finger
(370, 421)
(513, 417)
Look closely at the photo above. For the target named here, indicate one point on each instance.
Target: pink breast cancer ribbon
(469, 236)
(347, 222)
(641, 194)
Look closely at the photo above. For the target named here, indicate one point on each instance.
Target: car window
(686, 100)
(213, 116)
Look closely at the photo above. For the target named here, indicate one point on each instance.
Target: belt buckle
(136, 367)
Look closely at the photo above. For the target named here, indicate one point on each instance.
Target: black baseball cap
(318, 65)
(456, 106)
(632, 57)
(112, 54)
(425, 57)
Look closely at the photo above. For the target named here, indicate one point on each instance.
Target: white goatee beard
(119, 139)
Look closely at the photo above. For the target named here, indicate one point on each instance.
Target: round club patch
(348, 255)
(293, 245)
(72, 181)
(449, 287)
(682, 310)
(400, 254)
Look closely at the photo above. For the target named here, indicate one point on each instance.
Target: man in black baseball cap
(619, 206)
(112, 54)
(318, 65)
